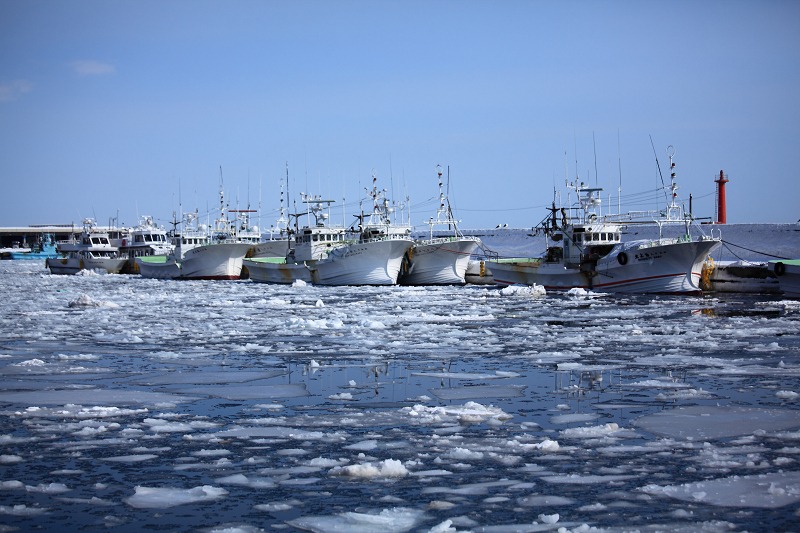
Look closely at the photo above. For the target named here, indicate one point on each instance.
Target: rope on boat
(727, 244)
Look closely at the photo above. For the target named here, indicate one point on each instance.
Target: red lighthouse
(721, 207)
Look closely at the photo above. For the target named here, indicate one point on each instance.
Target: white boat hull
(167, 269)
(674, 267)
(368, 263)
(439, 262)
(72, 265)
(212, 261)
(264, 271)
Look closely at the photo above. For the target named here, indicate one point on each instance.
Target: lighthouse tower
(721, 215)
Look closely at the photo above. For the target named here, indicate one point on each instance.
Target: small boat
(324, 254)
(440, 260)
(788, 273)
(146, 239)
(587, 252)
(92, 250)
(43, 248)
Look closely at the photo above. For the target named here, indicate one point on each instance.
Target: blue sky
(130, 108)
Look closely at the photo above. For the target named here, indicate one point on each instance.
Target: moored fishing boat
(377, 258)
(325, 254)
(146, 239)
(43, 248)
(586, 251)
(440, 260)
(199, 253)
(788, 273)
(275, 242)
(91, 250)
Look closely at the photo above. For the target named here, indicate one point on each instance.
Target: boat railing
(376, 238)
(452, 238)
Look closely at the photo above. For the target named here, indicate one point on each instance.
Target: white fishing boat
(586, 251)
(378, 256)
(312, 244)
(91, 250)
(325, 254)
(788, 273)
(441, 259)
(200, 253)
(275, 242)
(146, 239)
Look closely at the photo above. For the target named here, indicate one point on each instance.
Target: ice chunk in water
(710, 422)
(163, 498)
(767, 491)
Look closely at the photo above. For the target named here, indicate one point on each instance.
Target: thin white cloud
(90, 67)
(11, 90)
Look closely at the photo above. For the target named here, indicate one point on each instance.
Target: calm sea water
(130, 404)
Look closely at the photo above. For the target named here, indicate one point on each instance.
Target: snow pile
(523, 290)
(85, 301)
(470, 412)
(84, 272)
(579, 293)
(547, 445)
(385, 469)
(549, 518)
(341, 396)
(591, 432)
(787, 395)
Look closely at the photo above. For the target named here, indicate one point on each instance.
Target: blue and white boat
(43, 248)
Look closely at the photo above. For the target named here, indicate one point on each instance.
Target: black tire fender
(780, 268)
(622, 258)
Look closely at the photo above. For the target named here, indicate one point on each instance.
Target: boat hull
(669, 268)
(368, 263)
(272, 270)
(439, 262)
(27, 256)
(788, 274)
(744, 277)
(73, 265)
(213, 261)
(158, 267)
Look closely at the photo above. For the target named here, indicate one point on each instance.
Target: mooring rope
(726, 243)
